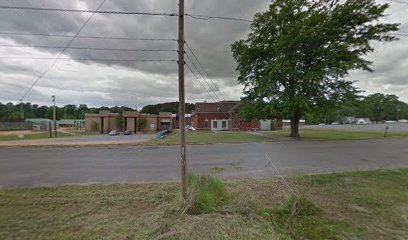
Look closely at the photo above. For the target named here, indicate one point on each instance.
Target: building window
(218, 109)
(206, 124)
(215, 124)
(224, 124)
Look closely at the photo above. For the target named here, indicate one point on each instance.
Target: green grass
(196, 138)
(359, 205)
(330, 134)
(206, 193)
(41, 135)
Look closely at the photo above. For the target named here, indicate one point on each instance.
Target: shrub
(205, 194)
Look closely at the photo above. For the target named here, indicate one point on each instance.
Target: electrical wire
(62, 52)
(91, 59)
(208, 78)
(199, 72)
(89, 48)
(203, 17)
(85, 11)
(202, 67)
(236, 122)
(199, 17)
(86, 37)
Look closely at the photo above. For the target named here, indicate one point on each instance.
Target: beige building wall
(151, 125)
(108, 120)
(90, 121)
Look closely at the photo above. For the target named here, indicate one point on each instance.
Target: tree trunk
(294, 125)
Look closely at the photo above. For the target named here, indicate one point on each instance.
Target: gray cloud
(137, 84)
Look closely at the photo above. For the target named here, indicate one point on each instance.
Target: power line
(200, 17)
(202, 67)
(203, 17)
(62, 52)
(199, 72)
(87, 37)
(92, 59)
(90, 48)
(236, 122)
(87, 11)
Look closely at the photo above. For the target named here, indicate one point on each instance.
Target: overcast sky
(136, 84)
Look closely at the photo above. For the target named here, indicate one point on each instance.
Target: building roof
(223, 106)
(38, 120)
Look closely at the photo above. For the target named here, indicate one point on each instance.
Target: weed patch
(301, 219)
(206, 194)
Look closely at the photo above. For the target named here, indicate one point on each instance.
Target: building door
(102, 125)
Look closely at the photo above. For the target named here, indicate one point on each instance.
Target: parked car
(113, 133)
(189, 128)
(127, 133)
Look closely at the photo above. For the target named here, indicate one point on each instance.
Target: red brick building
(221, 116)
(175, 120)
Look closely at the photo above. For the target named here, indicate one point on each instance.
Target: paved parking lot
(86, 165)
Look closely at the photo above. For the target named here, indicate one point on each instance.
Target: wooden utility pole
(22, 110)
(398, 112)
(54, 117)
(183, 163)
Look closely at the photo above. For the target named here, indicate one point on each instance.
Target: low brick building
(102, 122)
(175, 121)
(106, 121)
(221, 116)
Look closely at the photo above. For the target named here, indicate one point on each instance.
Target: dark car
(127, 133)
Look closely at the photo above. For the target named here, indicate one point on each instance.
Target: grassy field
(330, 134)
(361, 205)
(40, 135)
(210, 138)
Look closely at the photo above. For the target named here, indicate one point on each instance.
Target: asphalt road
(58, 166)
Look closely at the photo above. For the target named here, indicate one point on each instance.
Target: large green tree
(299, 52)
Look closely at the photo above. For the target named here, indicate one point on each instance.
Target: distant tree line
(377, 107)
(10, 111)
(166, 107)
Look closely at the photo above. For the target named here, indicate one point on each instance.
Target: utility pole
(54, 117)
(398, 112)
(183, 163)
(22, 110)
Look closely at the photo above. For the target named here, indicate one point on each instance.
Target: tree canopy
(166, 107)
(10, 111)
(298, 54)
